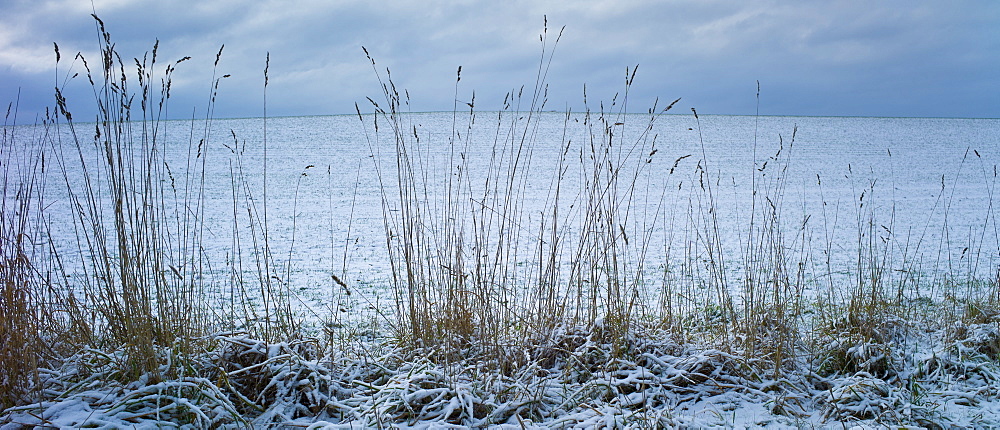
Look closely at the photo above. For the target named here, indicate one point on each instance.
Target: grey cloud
(812, 57)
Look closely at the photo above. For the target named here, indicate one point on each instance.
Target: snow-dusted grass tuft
(657, 383)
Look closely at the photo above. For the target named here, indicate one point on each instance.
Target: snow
(946, 382)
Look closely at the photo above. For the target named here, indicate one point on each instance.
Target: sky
(901, 58)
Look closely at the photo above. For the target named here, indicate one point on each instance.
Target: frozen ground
(916, 379)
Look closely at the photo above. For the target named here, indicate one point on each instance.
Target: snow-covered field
(901, 206)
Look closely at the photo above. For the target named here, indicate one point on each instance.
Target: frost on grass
(940, 379)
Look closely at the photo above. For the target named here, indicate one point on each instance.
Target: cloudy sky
(852, 58)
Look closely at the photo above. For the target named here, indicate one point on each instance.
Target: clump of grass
(472, 270)
(20, 310)
(139, 269)
(140, 222)
(145, 319)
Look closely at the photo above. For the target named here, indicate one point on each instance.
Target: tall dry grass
(20, 307)
(141, 255)
(475, 273)
(144, 275)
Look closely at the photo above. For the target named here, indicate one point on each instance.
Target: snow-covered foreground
(912, 378)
